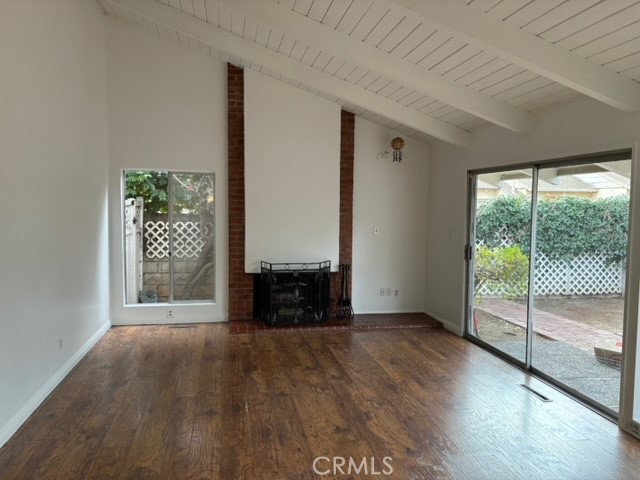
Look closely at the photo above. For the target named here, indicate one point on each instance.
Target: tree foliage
(508, 215)
(566, 227)
(152, 186)
(569, 227)
(192, 193)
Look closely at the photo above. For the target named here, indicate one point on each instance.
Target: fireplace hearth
(294, 293)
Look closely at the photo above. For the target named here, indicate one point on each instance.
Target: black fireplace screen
(294, 293)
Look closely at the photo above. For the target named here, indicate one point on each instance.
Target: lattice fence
(188, 240)
(583, 275)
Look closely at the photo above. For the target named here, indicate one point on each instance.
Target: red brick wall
(240, 283)
(347, 134)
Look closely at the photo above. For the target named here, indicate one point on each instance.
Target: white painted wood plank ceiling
(416, 66)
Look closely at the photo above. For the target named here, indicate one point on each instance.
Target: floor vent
(537, 394)
(182, 326)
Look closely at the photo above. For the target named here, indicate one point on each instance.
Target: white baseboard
(180, 318)
(167, 314)
(452, 327)
(12, 426)
(386, 312)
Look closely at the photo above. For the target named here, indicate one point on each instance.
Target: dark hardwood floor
(199, 403)
(358, 322)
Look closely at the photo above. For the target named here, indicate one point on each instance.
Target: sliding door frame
(630, 381)
(469, 252)
(532, 263)
(629, 376)
(170, 222)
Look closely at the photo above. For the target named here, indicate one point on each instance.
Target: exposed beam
(389, 66)
(621, 168)
(601, 168)
(254, 53)
(529, 51)
(517, 175)
(549, 175)
(619, 180)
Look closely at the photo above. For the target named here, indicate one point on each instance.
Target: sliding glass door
(547, 256)
(501, 227)
(579, 282)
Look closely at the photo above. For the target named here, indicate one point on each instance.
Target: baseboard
(179, 318)
(452, 327)
(387, 312)
(12, 426)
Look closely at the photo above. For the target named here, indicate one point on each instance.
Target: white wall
(393, 198)
(579, 127)
(292, 174)
(53, 165)
(167, 110)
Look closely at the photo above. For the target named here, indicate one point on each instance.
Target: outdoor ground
(603, 313)
(571, 364)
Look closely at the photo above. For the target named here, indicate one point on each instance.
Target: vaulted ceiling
(431, 69)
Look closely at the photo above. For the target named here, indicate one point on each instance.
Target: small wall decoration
(397, 144)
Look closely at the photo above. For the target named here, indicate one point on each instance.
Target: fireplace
(294, 293)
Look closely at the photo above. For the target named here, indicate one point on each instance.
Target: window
(169, 221)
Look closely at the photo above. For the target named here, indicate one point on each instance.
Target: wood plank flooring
(358, 322)
(199, 403)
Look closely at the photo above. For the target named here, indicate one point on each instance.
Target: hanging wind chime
(397, 144)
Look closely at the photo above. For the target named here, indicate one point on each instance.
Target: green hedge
(567, 227)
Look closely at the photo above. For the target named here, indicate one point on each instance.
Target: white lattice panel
(188, 240)
(592, 275)
(502, 236)
(583, 275)
(156, 235)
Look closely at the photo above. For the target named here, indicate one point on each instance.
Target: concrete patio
(564, 349)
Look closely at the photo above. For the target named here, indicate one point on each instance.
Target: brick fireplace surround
(241, 284)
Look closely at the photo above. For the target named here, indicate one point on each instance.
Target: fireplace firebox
(294, 293)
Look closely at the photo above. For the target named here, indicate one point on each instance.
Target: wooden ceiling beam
(391, 67)
(252, 52)
(528, 51)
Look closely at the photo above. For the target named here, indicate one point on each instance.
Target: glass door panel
(499, 267)
(192, 222)
(579, 277)
(168, 236)
(146, 236)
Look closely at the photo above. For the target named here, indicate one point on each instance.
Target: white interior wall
(575, 128)
(54, 154)
(292, 174)
(393, 198)
(167, 110)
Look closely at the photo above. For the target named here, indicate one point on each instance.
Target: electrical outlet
(376, 230)
(388, 291)
(60, 344)
(395, 292)
(382, 292)
(169, 313)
